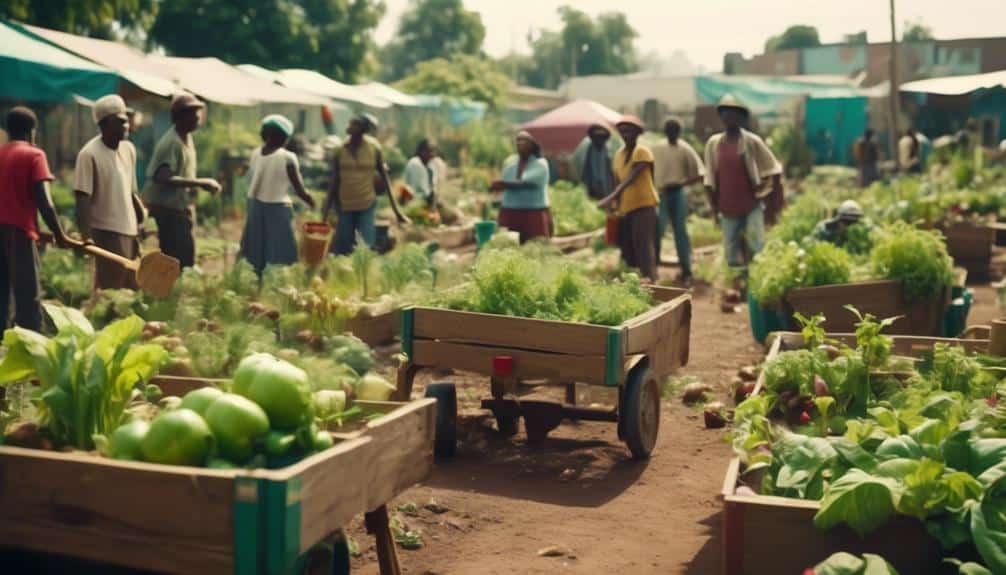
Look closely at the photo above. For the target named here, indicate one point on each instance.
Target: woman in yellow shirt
(635, 198)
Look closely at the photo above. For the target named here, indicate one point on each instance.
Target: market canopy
(767, 94)
(217, 81)
(562, 129)
(317, 83)
(957, 85)
(385, 92)
(274, 78)
(130, 63)
(35, 71)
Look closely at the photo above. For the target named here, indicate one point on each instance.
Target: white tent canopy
(957, 85)
(220, 82)
(390, 94)
(275, 78)
(316, 83)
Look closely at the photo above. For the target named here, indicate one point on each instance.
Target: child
(268, 237)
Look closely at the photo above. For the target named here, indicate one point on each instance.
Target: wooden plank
(527, 364)
(507, 331)
(881, 298)
(378, 330)
(157, 517)
(576, 241)
(901, 344)
(665, 293)
(178, 385)
(663, 334)
(450, 237)
(402, 450)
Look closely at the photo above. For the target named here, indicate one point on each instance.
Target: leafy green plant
(573, 211)
(87, 378)
(916, 259)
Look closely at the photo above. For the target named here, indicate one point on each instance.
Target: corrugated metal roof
(957, 85)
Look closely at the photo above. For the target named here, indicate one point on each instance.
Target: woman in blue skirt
(268, 237)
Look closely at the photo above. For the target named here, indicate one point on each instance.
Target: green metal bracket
(282, 525)
(248, 524)
(613, 358)
(408, 322)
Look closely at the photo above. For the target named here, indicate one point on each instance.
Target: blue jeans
(674, 209)
(351, 223)
(752, 227)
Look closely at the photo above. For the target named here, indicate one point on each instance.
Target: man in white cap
(741, 169)
(172, 183)
(109, 210)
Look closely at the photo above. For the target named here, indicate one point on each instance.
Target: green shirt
(180, 157)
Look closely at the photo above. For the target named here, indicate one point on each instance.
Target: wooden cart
(189, 520)
(377, 330)
(756, 527)
(634, 357)
(576, 241)
(971, 246)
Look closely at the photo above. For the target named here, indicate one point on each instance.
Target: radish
(748, 373)
(804, 418)
(694, 392)
(832, 351)
(820, 386)
(713, 415)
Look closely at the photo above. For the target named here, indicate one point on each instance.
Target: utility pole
(894, 95)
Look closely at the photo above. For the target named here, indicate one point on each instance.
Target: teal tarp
(35, 71)
(765, 94)
(832, 126)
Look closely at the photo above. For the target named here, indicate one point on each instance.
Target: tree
(605, 45)
(463, 76)
(331, 36)
(798, 36)
(432, 29)
(916, 32)
(96, 18)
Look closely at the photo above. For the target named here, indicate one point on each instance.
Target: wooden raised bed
(883, 298)
(971, 246)
(377, 330)
(577, 241)
(635, 357)
(189, 520)
(769, 535)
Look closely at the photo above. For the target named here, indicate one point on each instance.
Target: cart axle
(541, 417)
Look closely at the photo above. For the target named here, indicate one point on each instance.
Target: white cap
(110, 105)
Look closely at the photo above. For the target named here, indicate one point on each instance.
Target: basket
(317, 236)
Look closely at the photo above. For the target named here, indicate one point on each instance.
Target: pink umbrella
(562, 129)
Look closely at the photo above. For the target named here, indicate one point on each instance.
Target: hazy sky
(706, 29)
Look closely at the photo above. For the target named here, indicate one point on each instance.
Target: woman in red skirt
(524, 185)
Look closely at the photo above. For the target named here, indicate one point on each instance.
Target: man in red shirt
(24, 192)
(740, 175)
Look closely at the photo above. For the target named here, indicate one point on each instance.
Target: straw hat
(630, 120)
(729, 101)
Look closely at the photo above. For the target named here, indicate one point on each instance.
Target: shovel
(155, 272)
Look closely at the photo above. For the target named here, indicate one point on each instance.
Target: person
(596, 174)
(109, 209)
(268, 236)
(910, 152)
(352, 193)
(741, 171)
(675, 167)
(172, 183)
(635, 198)
(24, 194)
(524, 183)
(835, 229)
(867, 155)
(419, 174)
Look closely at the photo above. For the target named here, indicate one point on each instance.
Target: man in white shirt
(109, 210)
(419, 173)
(676, 166)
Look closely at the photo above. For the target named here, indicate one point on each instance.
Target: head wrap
(279, 122)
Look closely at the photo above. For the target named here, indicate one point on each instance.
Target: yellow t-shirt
(641, 192)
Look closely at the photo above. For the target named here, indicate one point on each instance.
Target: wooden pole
(894, 93)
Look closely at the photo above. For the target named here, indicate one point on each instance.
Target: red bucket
(317, 236)
(611, 230)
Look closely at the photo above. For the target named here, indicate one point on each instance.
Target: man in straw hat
(740, 167)
(635, 198)
(24, 195)
(597, 175)
(172, 183)
(109, 210)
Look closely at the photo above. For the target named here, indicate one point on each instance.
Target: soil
(579, 503)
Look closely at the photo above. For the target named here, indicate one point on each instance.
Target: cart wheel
(640, 412)
(507, 425)
(340, 556)
(446, 441)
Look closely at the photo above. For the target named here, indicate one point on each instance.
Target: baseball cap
(184, 101)
(110, 105)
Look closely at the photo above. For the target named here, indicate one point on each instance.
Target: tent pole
(894, 93)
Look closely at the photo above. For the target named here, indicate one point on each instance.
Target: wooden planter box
(554, 350)
(883, 299)
(757, 528)
(971, 247)
(576, 241)
(191, 520)
(450, 237)
(378, 330)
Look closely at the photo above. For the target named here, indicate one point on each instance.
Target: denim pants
(674, 210)
(752, 227)
(351, 223)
